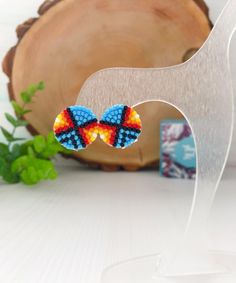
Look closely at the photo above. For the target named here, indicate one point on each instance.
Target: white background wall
(13, 12)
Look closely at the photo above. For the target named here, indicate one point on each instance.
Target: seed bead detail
(76, 127)
(120, 126)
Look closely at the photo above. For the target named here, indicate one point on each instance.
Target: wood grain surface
(73, 39)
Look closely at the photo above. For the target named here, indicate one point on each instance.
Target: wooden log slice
(74, 38)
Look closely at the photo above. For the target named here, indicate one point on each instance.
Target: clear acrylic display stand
(202, 90)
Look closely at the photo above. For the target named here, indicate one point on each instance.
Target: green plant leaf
(49, 152)
(63, 150)
(9, 137)
(10, 177)
(6, 173)
(26, 144)
(18, 109)
(32, 170)
(30, 151)
(16, 152)
(18, 139)
(30, 92)
(54, 147)
(4, 151)
(11, 119)
(33, 88)
(30, 176)
(15, 122)
(51, 138)
(28, 162)
(26, 97)
(41, 86)
(39, 143)
(2, 165)
(26, 111)
(20, 164)
(22, 123)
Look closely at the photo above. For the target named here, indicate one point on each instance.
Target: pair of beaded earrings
(77, 127)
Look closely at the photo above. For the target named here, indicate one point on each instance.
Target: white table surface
(69, 230)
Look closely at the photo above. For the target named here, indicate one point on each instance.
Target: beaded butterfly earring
(76, 127)
(120, 126)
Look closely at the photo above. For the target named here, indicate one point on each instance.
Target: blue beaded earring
(76, 127)
(120, 126)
